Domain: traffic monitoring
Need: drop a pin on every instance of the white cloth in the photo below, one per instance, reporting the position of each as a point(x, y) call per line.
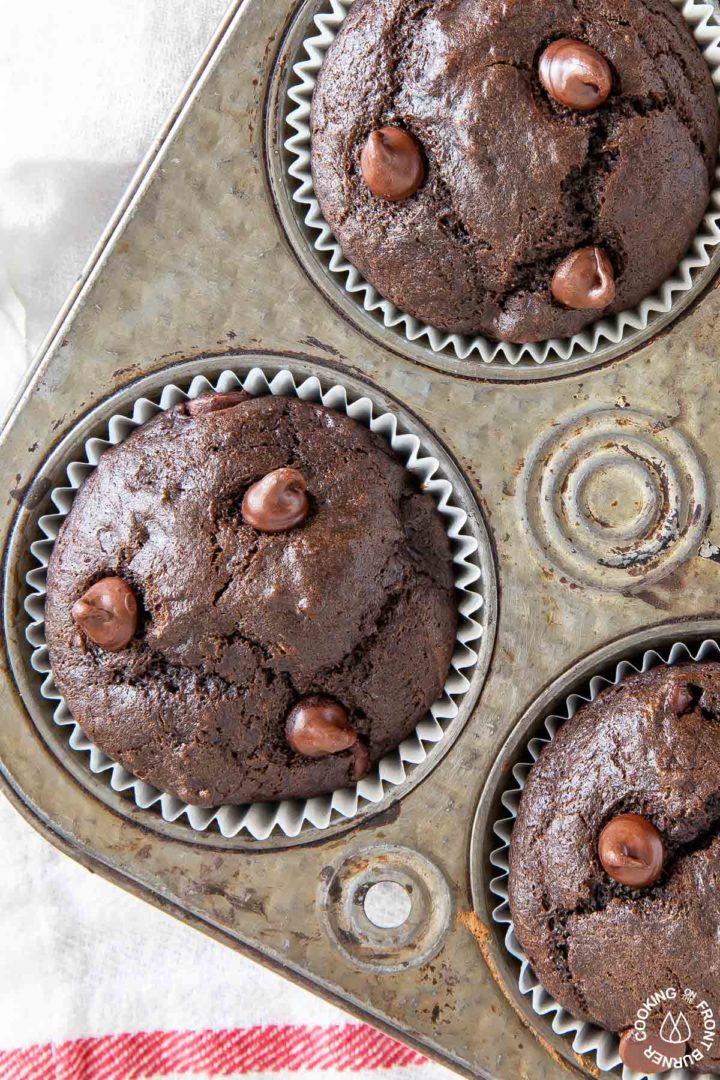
point(85, 84)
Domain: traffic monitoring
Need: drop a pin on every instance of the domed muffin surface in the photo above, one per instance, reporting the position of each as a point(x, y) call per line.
point(542, 129)
point(280, 554)
point(615, 854)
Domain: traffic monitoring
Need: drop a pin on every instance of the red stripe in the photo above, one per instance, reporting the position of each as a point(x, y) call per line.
point(215, 1053)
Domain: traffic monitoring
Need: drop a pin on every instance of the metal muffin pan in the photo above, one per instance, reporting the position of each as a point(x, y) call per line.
point(303, 50)
point(196, 273)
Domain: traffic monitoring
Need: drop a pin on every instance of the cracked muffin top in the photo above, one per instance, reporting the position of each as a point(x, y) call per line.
point(516, 169)
point(250, 599)
point(615, 853)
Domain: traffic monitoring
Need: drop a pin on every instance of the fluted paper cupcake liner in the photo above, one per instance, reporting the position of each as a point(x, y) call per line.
point(290, 817)
point(611, 331)
point(587, 1038)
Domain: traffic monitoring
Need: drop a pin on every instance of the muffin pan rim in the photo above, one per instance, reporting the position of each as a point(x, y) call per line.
point(490, 811)
point(96, 423)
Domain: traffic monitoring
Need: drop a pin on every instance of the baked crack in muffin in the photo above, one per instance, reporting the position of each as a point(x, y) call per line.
point(615, 858)
point(514, 169)
point(250, 599)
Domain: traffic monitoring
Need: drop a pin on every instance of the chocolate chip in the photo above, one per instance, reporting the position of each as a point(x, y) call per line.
point(392, 164)
point(278, 502)
point(631, 850)
point(575, 74)
point(632, 1052)
point(210, 403)
point(361, 760)
point(584, 280)
point(107, 613)
point(680, 699)
point(318, 726)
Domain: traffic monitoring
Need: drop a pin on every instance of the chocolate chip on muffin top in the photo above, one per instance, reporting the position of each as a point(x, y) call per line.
point(615, 854)
point(250, 599)
point(514, 169)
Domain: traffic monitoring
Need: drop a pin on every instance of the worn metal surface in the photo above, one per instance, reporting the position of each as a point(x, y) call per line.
point(197, 266)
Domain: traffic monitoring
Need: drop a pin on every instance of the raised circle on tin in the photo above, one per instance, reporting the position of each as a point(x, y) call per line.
point(615, 498)
point(387, 904)
point(400, 932)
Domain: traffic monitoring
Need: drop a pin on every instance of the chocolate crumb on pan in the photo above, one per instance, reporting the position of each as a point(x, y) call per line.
point(614, 884)
point(280, 554)
point(543, 130)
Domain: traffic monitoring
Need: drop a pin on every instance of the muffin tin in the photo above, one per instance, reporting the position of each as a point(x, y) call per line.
point(596, 482)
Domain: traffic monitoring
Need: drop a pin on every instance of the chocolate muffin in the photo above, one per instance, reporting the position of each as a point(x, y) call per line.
point(514, 169)
point(250, 599)
point(615, 856)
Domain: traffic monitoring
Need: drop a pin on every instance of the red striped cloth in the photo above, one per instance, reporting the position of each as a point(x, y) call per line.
point(273, 1048)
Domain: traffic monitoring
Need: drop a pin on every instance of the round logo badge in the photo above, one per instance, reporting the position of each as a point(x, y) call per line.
point(674, 1028)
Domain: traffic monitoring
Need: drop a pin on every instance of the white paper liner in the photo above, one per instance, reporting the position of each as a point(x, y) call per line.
point(587, 1038)
point(289, 816)
point(609, 331)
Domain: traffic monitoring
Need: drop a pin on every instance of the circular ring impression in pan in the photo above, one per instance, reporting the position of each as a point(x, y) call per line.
point(407, 924)
point(614, 499)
